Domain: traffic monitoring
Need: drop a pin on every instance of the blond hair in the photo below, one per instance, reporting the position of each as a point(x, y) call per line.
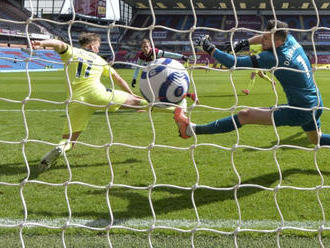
point(87, 38)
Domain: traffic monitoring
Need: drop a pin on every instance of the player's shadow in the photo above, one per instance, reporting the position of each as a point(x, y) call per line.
point(297, 139)
point(14, 169)
point(294, 140)
point(17, 168)
point(139, 206)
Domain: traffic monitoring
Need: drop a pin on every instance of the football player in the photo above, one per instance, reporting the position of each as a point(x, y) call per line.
point(304, 106)
point(146, 55)
point(85, 69)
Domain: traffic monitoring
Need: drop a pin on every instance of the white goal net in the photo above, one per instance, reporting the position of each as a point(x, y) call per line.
point(234, 227)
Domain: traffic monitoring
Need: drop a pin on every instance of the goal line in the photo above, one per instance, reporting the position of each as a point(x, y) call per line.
point(183, 223)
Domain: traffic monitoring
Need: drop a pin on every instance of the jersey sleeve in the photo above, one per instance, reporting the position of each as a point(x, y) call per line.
point(137, 69)
point(67, 54)
point(228, 60)
point(171, 55)
point(265, 60)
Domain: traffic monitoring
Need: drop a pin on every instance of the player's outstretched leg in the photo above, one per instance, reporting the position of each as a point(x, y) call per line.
point(182, 122)
point(51, 157)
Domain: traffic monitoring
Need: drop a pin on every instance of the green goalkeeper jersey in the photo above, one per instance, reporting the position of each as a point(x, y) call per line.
point(85, 68)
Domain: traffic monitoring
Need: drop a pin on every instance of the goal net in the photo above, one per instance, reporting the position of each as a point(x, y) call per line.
point(130, 174)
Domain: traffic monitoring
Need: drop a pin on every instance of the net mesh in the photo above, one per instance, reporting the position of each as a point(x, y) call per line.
point(199, 226)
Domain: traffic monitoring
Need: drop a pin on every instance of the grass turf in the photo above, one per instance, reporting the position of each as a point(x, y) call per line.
point(210, 163)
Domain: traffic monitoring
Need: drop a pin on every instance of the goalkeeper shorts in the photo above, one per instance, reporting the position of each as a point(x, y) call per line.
point(296, 117)
point(80, 113)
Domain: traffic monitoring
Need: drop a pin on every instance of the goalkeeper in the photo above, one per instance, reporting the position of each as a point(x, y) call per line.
point(301, 92)
point(85, 69)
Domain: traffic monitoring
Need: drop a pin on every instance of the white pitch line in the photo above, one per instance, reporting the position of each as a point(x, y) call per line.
point(146, 223)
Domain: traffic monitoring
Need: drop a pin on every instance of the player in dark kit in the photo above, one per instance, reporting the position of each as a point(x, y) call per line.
point(147, 55)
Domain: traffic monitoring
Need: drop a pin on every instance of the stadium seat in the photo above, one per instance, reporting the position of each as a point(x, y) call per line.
point(14, 59)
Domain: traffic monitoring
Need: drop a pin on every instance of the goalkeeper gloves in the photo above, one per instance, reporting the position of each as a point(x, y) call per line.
point(133, 83)
point(205, 43)
point(238, 46)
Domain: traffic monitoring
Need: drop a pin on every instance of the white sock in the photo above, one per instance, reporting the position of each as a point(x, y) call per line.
point(65, 145)
point(191, 129)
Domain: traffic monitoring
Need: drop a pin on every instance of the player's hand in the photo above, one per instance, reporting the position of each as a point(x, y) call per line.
point(238, 46)
point(133, 83)
point(35, 44)
point(205, 43)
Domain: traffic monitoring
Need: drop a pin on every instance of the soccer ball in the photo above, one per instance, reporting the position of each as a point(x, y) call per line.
point(169, 82)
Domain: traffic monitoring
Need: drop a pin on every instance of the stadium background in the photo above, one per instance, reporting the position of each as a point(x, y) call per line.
point(174, 205)
point(171, 14)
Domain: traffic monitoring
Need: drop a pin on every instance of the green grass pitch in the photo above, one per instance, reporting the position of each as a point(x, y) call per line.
point(215, 166)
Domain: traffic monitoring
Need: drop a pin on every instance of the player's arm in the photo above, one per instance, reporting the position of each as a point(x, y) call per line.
point(136, 72)
point(238, 46)
point(264, 60)
point(224, 58)
point(165, 54)
point(57, 45)
point(122, 83)
point(257, 39)
point(109, 71)
point(228, 60)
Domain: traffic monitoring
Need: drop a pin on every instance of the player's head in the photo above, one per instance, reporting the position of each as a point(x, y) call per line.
point(279, 35)
point(146, 46)
point(90, 41)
